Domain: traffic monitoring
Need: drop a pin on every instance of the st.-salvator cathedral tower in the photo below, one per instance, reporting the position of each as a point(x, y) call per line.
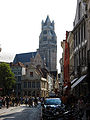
point(48, 45)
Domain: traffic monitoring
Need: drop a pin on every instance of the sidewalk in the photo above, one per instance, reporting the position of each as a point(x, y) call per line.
point(4, 110)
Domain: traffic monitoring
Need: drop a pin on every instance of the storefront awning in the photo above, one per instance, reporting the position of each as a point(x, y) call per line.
point(71, 83)
point(78, 81)
point(65, 87)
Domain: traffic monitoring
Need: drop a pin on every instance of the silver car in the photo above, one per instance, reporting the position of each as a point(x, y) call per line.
point(52, 108)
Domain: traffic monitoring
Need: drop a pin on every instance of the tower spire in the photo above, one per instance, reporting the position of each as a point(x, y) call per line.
point(47, 20)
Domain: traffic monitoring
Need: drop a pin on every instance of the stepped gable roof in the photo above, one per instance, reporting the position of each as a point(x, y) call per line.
point(42, 71)
point(24, 57)
point(45, 72)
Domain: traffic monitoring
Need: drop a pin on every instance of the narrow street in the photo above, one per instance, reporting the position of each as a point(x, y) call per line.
point(21, 113)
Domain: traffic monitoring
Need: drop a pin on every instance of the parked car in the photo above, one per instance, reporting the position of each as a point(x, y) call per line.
point(52, 108)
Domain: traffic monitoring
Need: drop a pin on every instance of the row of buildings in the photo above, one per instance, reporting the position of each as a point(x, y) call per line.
point(75, 61)
point(36, 72)
point(32, 79)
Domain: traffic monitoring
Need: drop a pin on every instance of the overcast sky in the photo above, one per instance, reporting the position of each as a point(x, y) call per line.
point(20, 24)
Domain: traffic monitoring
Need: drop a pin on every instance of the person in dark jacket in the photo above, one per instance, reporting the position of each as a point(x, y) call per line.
point(0, 102)
point(88, 108)
point(30, 102)
point(7, 102)
point(35, 101)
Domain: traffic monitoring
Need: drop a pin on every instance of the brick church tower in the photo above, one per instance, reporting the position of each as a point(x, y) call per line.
point(48, 45)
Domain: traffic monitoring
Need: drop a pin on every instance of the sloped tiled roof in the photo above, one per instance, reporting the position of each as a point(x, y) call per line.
point(20, 64)
point(24, 57)
point(17, 64)
point(43, 71)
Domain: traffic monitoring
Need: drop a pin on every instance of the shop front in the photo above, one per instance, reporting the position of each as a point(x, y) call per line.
point(80, 86)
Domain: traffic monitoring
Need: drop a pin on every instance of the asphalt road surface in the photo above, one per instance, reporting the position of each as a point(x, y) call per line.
point(22, 113)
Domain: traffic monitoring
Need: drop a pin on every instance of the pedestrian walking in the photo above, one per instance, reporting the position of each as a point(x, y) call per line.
point(35, 101)
point(88, 108)
point(13, 101)
point(26, 101)
point(71, 101)
point(7, 101)
point(81, 106)
point(3, 101)
point(30, 102)
point(16, 101)
point(0, 102)
point(64, 99)
point(21, 100)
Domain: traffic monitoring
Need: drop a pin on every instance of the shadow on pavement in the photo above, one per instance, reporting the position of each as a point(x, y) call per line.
point(27, 114)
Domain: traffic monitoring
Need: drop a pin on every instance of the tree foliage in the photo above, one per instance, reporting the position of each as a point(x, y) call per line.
point(7, 78)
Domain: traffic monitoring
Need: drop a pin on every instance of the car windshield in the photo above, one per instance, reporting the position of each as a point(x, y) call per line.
point(55, 101)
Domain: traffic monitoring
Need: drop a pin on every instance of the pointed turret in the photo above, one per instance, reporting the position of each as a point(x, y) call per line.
point(42, 24)
point(53, 24)
point(47, 20)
